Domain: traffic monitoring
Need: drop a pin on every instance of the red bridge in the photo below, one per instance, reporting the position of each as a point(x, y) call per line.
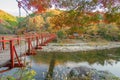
point(13, 48)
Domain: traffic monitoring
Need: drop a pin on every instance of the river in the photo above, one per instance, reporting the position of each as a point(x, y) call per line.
point(57, 64)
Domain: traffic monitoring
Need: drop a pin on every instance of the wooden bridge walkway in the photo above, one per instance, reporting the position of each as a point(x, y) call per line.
point(13, 48)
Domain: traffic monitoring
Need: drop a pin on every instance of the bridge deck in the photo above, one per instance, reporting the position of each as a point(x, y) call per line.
point(24, 47)
point(5, 54)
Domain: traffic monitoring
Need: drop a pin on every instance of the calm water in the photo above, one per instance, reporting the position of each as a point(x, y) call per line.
point(59, 64)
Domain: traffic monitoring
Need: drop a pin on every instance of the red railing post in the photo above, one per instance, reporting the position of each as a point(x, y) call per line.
point(19, 63)
point(31, 50)
point(12, 53)
point(29, 45)
point(18, 40)
point(37, 43)
point(46, 39)
point(3, 43)
point(41, 39)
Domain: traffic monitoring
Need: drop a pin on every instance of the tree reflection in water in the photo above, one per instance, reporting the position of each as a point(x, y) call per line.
point(51, 67)
point(53, 59)
point(96, 56)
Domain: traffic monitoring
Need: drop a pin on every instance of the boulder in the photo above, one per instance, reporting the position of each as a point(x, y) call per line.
point(85, 73)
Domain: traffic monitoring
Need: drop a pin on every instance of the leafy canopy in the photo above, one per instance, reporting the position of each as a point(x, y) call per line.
point(80, 5)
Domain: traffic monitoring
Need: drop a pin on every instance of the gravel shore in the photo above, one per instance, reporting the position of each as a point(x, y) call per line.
point(82, 46)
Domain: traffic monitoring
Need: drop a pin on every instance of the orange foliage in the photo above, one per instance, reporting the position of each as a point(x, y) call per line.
point(39, 5)
point(71, 37)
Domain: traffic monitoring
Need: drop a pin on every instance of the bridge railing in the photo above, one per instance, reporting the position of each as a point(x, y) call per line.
point(26, 45)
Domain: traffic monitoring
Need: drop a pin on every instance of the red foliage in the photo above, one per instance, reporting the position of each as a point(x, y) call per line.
point(71, 37)
point(1, 21)
point(41, 5)
point(38, 5)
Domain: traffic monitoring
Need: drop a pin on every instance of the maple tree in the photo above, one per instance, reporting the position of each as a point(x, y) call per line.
point(81, 5)
point(37, 6)
point(70, 19)
point(78, 14)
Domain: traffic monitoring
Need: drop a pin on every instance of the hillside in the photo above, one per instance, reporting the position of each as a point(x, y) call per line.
point(35, 22)
point(6, 16)
point(74, 24)
point(7, 22)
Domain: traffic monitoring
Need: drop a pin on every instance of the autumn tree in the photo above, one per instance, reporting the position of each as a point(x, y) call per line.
point(78, 14)
point(39, 6)
point(34, 23)
point(80, 5)
point(73, 19)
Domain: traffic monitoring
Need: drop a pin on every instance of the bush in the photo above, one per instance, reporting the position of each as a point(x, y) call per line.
point(60, 34)
point(109, 32)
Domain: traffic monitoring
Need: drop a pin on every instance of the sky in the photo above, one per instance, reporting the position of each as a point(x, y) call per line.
point(10, 6)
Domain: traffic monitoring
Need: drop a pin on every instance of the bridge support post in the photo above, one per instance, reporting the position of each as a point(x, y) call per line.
point(3, 43)
point(41, 36)
point(29, 43)
point(37, 43)
point(12, 53)
point(46, 39)
point(18, 40)
point(30, 51)
point(43, 39)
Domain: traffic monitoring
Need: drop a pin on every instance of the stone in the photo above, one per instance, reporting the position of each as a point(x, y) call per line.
point(85, 73)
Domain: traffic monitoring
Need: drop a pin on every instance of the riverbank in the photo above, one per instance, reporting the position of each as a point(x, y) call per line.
point(79, 46)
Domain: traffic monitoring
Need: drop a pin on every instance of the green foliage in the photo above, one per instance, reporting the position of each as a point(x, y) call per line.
point(104, 31)
point(28, 75)
point(109, 32)
point(22, 74)
point(60, 34)
point(96, 17)
point(76, 29)
point(20, 19)
point(113, 18)
point(7, 78)
point(32, 15)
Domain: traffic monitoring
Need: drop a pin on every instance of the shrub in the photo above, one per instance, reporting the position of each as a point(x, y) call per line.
point(60, 34)
point(109, 32)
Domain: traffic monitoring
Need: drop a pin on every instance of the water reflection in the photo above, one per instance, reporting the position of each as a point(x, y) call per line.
point(51, 67)
point(101, 60)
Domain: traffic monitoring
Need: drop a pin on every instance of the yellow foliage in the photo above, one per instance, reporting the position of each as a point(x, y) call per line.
point(36, 22)
point(54, 11)
point(6, 16)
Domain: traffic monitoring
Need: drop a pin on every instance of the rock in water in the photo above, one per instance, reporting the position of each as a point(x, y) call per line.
point(79, 71)
point(85, 73)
